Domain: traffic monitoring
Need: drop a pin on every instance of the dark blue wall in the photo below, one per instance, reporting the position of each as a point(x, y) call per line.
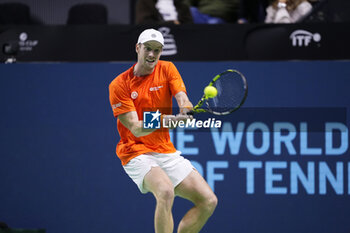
point(59, 171)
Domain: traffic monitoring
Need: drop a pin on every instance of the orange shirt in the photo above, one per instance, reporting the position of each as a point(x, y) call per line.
point(155, 91)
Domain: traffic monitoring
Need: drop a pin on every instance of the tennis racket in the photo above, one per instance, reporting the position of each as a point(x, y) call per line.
point(232, 90)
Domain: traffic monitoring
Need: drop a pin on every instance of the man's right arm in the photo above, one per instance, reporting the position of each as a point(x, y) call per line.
point(131, 121)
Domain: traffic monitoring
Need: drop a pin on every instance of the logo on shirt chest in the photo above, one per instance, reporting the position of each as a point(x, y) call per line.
point(156, 88)
point(134, 94)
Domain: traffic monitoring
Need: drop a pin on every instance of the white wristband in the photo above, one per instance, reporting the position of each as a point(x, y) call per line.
point(281, 5)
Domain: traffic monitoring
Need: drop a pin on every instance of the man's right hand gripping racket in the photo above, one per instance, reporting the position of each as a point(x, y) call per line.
point(232, 90)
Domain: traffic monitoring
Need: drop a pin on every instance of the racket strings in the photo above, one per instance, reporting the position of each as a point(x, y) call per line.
point(231, 87)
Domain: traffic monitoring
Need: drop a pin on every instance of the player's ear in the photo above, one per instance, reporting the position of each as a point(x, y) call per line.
point(137, 47)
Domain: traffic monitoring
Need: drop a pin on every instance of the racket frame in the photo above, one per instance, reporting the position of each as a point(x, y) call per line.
point(197, 109)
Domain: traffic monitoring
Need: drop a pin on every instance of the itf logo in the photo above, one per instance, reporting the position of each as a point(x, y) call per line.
point(302, 38)
point(151, 120)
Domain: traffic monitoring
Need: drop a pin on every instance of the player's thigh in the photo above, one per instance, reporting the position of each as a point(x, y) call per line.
point(195, 189)
point(158, 182)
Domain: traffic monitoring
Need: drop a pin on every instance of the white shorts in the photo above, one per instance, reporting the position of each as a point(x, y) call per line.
point(174, 165)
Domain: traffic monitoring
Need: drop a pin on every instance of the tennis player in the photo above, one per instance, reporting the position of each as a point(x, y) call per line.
point(147, 155)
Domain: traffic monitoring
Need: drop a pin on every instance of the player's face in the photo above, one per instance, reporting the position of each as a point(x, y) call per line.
point(148, 54)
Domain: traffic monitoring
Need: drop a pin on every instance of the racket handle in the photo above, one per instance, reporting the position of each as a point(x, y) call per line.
point(191, 113)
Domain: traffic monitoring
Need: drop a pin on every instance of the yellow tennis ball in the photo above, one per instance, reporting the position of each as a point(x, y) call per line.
point(210, 92)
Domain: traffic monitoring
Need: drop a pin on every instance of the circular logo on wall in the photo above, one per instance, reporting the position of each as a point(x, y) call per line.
point(134, 94)
point(23, 36)
point(26, 44)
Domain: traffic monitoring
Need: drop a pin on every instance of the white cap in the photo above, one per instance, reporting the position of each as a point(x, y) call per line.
point(151, 34)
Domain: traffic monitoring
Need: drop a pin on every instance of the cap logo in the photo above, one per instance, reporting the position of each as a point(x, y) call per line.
point(151, 34)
